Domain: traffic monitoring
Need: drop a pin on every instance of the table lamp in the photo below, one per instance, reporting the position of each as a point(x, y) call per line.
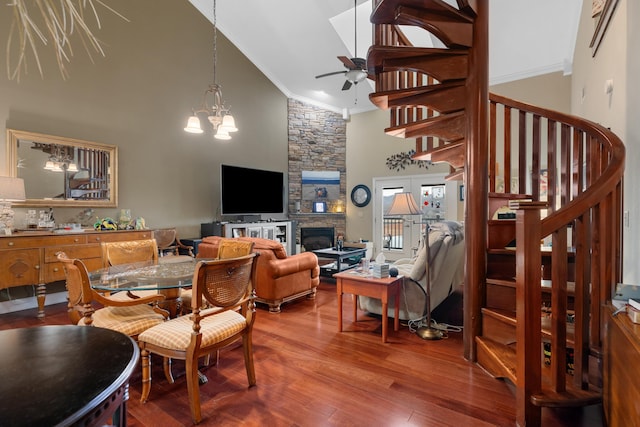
point(11, 190)
point(405, 204)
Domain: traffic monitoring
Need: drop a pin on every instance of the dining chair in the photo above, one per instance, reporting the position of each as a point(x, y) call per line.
point(228, 248)
point(129, 316)
point(117, 253)
point(129, 252)
point(227, 286)
point(170, 248)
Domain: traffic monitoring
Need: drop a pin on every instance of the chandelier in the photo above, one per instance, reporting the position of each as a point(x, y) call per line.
point(61, 158)
point(217, 113)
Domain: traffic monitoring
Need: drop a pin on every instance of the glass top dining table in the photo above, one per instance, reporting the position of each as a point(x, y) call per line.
point(142, 276)
point(165, 278)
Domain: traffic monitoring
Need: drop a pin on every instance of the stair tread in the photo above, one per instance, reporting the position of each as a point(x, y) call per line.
point(441, 64)
point(571, 397)
point(385, 12)
point(505, 355)
point(444, 126)
point(509, 317)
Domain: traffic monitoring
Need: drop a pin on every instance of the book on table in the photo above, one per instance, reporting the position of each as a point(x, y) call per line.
point(633, 310)
point(635, 303)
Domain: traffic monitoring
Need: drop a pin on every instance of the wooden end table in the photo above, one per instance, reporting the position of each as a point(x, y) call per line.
point(357, 283)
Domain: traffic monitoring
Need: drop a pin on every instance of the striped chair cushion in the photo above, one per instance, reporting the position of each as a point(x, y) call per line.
point(175, 334)
point(122, 295)
point(128, 320)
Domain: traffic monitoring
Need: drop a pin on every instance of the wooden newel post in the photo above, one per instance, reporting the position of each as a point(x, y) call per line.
point(528, 309)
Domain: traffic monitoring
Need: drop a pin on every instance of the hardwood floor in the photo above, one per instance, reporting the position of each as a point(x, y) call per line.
point(310, 375)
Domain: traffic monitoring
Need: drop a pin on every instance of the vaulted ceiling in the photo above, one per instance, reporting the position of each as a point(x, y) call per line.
point(292, 41)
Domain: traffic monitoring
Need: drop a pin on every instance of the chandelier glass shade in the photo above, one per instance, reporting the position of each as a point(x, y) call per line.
point(212, 105)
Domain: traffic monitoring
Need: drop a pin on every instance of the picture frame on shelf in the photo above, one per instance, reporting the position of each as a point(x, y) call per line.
point(255, 232)
point(319, 207)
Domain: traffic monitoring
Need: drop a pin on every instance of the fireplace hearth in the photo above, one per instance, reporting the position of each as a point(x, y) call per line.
point(313, 238)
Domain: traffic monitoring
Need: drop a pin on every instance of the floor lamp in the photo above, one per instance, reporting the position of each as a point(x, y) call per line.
point(405, 204)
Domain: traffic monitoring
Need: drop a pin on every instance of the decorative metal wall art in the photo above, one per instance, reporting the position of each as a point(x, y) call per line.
point(404, 159)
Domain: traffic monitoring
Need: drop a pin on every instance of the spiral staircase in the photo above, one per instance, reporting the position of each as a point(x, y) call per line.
point(542, 205)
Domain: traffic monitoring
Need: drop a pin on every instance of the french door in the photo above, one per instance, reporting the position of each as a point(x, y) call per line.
point(397, 236)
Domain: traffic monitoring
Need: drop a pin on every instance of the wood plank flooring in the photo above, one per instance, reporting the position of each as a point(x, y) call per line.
point(309, 374)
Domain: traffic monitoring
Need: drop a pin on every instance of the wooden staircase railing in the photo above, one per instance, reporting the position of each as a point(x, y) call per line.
point(561, 176)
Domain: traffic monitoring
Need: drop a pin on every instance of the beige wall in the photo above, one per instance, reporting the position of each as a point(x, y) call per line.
point(551, 91)
point(615, 60)
point(139, 97)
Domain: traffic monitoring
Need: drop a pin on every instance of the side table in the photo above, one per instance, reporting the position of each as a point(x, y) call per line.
point(358, 283)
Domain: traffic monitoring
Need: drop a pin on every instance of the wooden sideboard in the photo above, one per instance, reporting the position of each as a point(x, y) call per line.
point(621, 370)
point(29, 258)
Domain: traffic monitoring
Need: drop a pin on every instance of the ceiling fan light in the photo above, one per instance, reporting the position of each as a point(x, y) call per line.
point(229, 123)
point(72, 167)
point(356, 76)
point(193, 125)
point(49, 165)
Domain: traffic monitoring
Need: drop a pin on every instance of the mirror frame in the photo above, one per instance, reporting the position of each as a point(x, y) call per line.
point(13, 136)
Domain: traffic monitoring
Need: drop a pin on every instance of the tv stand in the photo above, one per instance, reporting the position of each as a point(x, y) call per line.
point(283, 231)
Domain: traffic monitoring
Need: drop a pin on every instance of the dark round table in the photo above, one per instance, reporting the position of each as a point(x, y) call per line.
point(64, 375)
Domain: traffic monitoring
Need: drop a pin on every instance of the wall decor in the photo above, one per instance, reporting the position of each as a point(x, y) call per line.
point(603, 23)
point(320, 185)
point(404, 159)
point(56, 22)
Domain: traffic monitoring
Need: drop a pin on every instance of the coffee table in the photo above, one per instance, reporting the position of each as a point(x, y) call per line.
point(342, 258)
point(358, 283)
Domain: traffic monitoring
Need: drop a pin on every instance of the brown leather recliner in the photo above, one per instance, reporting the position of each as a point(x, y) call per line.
point(280, 278)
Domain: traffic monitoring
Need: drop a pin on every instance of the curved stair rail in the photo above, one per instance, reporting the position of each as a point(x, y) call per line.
point(558, 179)
point(573, 169)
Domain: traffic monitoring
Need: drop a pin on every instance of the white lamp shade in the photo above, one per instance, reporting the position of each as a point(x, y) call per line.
point(229, 123)
point(193, 125)
point(12, 189)
point(72, 167)
point(222, 134)
point(49, 165)
point(404, 204)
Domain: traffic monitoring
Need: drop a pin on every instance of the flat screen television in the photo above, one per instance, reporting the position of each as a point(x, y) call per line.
point(246, 191)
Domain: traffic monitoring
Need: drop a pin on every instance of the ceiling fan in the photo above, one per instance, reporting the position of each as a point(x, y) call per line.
point(356, 68)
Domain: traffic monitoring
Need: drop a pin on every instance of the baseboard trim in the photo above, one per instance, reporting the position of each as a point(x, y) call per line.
point(20, 304)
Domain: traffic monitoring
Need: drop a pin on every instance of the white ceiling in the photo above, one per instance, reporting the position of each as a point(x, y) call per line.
point(292, 41)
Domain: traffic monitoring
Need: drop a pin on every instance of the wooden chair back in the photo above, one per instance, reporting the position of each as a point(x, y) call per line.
point(117, 253)
point(79, 292)
point(226, 282)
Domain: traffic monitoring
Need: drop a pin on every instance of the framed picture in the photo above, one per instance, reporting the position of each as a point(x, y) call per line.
point(606, 12)
point(320, 207)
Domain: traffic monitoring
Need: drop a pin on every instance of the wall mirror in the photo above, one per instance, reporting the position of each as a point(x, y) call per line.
point(59, 171)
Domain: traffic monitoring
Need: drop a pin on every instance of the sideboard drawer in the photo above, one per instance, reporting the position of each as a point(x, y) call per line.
point(54, 271)
point(72, 251)
point(107, 236)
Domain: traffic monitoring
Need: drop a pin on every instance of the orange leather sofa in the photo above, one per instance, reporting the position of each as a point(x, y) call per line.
point(279, 278)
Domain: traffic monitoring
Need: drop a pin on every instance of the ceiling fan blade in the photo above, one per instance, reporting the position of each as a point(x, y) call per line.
point(347, 62)
point(330, 74)
point(346, 85)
